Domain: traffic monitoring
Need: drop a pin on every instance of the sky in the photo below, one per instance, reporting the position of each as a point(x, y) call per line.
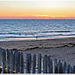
point(37, 9)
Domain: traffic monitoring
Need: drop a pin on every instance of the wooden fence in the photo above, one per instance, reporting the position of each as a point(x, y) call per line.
point(13, 62)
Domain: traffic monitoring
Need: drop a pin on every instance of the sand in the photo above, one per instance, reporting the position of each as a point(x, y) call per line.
point(63, 49)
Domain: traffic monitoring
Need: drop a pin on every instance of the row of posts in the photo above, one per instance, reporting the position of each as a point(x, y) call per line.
point(13, 62)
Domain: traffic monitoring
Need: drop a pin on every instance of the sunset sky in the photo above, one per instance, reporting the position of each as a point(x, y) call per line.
point(37, 9)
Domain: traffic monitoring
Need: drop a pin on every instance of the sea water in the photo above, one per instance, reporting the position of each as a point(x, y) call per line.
point(34, 29)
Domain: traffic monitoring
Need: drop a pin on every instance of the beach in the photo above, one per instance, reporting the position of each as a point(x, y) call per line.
point(62, 48)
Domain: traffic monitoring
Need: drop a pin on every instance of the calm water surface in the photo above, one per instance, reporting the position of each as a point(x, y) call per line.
point(29, 29)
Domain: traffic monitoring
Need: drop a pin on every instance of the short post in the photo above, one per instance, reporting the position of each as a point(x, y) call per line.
point(0, 56)
point(34, 64)
point(51, 66)
point(21, 63)
point(28, 63)
point(39, 63)
point(45, 64)
point(2, 62)
point(68, 69)
point(55, 66)
point(73, 69)
point(16, 63)
point(65, 68)
point(8, 61)
point(11, 60)
point(49, 70)
point(60, 68)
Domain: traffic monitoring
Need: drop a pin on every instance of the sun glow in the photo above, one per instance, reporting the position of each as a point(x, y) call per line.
point(37, 9)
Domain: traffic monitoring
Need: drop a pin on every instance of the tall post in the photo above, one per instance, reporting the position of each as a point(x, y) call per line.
point(34, 64)
point(39, 63)
point(21, 63)
point(45, 64)
point(11, 60)
point(8, 60)
point(28, 63)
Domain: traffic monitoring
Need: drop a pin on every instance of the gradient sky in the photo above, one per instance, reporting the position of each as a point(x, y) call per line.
point(37, 9)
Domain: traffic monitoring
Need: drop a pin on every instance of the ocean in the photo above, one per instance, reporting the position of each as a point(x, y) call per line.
point(34, 29)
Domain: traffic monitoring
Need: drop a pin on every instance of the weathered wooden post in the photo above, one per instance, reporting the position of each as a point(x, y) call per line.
point(51, 64)
point(73, 69)
point(28, 63)
point(39, 63)
point(2, 62)
point(49, 70)
point(60, 68)
point(45, 64)
point(8, 61)
point(11, 60)
point(21, 63)
point(34, 64)
point(55, 66)
point(68, 69)
point(65, 68)
point(16, 63)
point(0, 56)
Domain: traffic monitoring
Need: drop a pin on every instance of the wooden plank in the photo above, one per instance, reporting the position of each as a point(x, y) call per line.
point(73, 69)
point(45, 64)
point(28, 63)
point(68, 69)
point(3, 68)
point(0, 60)
point(21, 63)
point(60, 68)
point(55, 66)
point(49, 70)
point(8, 61)
point(5, 60)
point(65, 67)
point(16, 63)
point(11, 60)
point(34, 64)
point(0, 57)
point(39, 63)
point(51, 64)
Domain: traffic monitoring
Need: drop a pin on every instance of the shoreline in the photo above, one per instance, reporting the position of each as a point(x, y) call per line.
point(33, 44)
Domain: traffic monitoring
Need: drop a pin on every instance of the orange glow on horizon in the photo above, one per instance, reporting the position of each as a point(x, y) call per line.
point(37, 10)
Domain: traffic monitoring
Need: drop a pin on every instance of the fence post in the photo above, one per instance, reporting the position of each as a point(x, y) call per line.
point(45, 64)
point(16, 63)
point(11, 60)
point(28, 63)
point(0, 56)
point(39, 63)
point(73, 69)
point(51, 66)
point(49, 70)
point(55, 66)
point(0, 60)
point(8, 61)
point(68, 69)
point(60, 68)
point(3, 67)
point(65, 67)
point(21, 63)
point(34, 64)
